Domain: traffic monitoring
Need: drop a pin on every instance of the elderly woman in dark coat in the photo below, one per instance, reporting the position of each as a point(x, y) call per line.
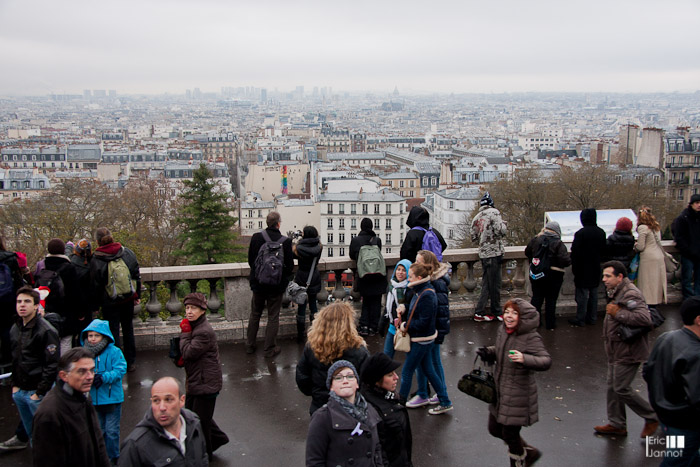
point(200, 354)
point(379, 380)
point(344, 431)
point(307, 250)
point(518, 353)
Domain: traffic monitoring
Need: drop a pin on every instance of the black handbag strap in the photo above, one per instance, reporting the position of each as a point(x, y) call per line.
point(311, 271)
point(474, 366)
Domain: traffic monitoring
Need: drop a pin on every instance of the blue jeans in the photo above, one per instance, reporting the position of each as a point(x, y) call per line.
point(690, 268)
point(419, 356)
point(586, 304)
point(389, 345)
point(434, 357)
point(690, 456)
point(109, 422)
point(26, 407)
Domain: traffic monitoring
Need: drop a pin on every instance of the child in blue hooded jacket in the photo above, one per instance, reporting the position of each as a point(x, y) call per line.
point(107, 393)
point(395, 296)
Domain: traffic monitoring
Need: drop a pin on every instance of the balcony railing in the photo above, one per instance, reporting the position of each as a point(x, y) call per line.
point(466, 269)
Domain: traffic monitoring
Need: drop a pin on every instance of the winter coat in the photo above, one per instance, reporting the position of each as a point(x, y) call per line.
point(559, 257)
point(515, 382)
point(587, 251)
point(306, 250)
point(672, 374)
point(330, 441)
point(148, 446)
point(620, 247)
point(311, 374)
point(35, 354)
point(82, 270)
point(374, 284)
point(633, 312)
point(8, 307)
point(201, 355)
point(422, 326)
point(99, 266)
point(413, 243)
point(440, 280)
point(66, 431)
point(489, 229)
point(651, 276)
point(686, 233)
point(72, 305)
point(395, 296)
point(110, 363)
point(257, 241)
point(394, 429)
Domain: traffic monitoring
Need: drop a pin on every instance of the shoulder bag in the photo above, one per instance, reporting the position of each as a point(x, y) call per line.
point(402, 340)
point(669, 261)
point(297, 293)
point(629, 334)
point(479, 384)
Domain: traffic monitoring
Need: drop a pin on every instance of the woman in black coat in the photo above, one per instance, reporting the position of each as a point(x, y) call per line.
point(379, 380)
point(371, 287)
point(306, 251)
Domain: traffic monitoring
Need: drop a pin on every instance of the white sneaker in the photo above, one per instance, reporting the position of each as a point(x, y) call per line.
point(13, 444)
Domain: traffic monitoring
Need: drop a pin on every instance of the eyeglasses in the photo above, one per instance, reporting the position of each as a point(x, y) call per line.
point(350, 377)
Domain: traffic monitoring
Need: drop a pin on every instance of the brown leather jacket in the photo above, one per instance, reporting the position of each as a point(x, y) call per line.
point(633, 312)
point(201, 355)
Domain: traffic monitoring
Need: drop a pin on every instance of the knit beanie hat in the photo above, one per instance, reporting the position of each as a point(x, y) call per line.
point(624, 224)
point(197, 299)
point(337, 366)
point(56, 246)
point(554, 227)
point(21, 259)
point(366, 224)
point(486, 200)
point(694, 198)
point(83, 245)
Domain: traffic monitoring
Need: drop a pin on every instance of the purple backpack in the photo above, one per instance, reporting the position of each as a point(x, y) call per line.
point(430, 242)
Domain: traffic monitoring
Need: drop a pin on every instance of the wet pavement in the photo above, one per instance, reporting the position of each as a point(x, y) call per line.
point(266, 417)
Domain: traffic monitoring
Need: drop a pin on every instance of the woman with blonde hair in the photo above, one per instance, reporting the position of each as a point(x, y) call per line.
point(331, 337)
point(651, 278)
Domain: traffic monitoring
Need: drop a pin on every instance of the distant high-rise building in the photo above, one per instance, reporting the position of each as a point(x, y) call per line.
point(263, 95)
point(628, 145)
point(87, 94)
point(99, 93)
point(315, 92)
point(112, 93)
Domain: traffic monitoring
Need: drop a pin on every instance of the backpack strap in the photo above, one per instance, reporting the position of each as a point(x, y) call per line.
point(267, 238)
point(410, 317)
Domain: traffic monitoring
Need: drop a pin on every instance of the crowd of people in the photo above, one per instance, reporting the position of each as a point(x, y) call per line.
point(68, 365)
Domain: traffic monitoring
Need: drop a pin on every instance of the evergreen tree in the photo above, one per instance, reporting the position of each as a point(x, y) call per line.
point(208, 235)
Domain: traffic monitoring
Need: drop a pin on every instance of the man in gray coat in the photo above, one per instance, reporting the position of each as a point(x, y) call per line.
point(169, 434)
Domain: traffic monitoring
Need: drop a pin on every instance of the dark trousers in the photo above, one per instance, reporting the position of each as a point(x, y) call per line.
point(371, 308)
point(490, 286)
point(274, 305)
point(690, 277)
point(509, 434)
point(204, 406)
point(586, 304)
point(122, 313)
point(313, 309)
point(546, 290)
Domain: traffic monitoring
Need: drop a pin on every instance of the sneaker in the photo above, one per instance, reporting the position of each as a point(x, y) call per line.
point(364, 331)
point(417, 401)
point(372, 332)
point(479, 318)
point(440, 409)
point(13, 444)
point(500, 317)
point(272, 352)
point(250, 349)
point(434, 400)
point(610, 430)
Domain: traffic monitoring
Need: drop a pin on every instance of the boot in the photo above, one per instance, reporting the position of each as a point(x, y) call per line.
point(517, 460)
point(301, 332)
point(532, 455)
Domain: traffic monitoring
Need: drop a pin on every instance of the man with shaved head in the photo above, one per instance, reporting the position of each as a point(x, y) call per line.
point(169, 434)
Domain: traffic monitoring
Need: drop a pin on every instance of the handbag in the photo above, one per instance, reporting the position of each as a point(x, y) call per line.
point(669, 261)
point(479, 384)
point(634, 268)
point(174, 354)
point(629, 334)
point(402, 340)
point(297, 293)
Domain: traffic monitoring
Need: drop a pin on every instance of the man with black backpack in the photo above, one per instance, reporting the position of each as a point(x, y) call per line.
point(271, 263)
point(116, 282)
point(366, 250)
point(421, 236)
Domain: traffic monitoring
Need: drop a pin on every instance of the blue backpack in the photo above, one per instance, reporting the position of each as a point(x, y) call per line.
point(430, 242)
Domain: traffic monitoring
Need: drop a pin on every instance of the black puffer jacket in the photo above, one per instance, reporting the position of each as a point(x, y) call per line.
point(394, 429)
point(35, 354)
point(201, 355)
point(440, 280)
point(686, 233)
point(620, 247)
point(306, 250)
point(72, 305)
point(257, 241)
point(99, 267)
point(311, 374)
point(369, 285)
point(413, 243)
point(587, 251)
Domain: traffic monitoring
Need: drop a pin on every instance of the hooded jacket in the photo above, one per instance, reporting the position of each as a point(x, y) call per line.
point(306, 250)
point(148, 446)
point(35, 354)
point(517, 389)
point(559, 257)
point(440, 281)
point(66, 431)
point(633, 312)
point(686, 233)
point(110, 363)
point(98, 272)
point(587, 250)
point(201, 355)
point(395, 296)
point(489, 229)
point(413, 243)
point(369, 285)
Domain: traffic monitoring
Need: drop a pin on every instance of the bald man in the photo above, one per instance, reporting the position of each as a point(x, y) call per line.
point(169, 434)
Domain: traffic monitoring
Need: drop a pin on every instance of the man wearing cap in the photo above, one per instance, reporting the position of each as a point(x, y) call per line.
point(489, 229)
point(672, 374)
point(686, 233)
point(379, 381)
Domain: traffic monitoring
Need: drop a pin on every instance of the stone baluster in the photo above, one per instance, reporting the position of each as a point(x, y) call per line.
point(455, 279)
point(153, 305)
point(213, 302)
point(354, 292)
point(322, 296)
point(339, 290)
point(520, 277)
point(174, 305)
point(470, 282)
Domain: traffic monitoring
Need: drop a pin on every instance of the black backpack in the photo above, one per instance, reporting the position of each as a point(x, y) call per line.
point(57, 291)
point(539, 265)
point(270, 261)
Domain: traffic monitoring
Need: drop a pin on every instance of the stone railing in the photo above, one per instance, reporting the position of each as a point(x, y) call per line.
point(466, 272)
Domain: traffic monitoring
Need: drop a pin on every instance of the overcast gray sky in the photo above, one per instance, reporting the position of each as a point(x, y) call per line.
point(154, 46)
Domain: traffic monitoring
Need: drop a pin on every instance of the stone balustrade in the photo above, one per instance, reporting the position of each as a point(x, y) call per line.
point(466, 272)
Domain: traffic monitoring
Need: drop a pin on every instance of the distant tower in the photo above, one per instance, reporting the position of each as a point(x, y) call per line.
point(263, 95)
point(396, 91)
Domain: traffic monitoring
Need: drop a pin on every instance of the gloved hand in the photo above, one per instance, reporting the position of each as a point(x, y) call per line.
point(185, 325)
point(97, 380)
point(486, 356)
point(612, 309)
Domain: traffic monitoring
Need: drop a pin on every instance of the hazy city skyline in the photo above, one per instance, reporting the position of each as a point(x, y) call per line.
point(154, 47)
